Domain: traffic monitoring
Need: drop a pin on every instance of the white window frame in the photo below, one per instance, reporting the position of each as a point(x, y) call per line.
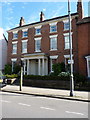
point(36, 39)
point(53, 36)
point(25, 30)
point(88, 69)
point(38, 27)
point(66, 21)
point(51, 64)
point(13, 60)
point(15, 32)
point(14, 43)
point(51, 25)
point(67, 35)
point(24, 50)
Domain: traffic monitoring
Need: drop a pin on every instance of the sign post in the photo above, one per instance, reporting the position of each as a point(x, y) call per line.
point(71, 59)
point(21, 79)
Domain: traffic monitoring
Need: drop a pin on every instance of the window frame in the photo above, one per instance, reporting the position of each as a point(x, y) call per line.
point(51, 45)
point(13, 49)
point(25, 49)
point(24, 35)
point(37, 39)
point(14, 35)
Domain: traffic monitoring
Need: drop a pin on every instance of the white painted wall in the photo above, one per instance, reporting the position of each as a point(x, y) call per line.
point(3, 50)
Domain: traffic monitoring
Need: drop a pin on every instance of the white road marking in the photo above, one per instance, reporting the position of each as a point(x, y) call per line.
point(24, 104)
point(5, 101)
point(74, 113)
point(47, 108)
point(62, 100)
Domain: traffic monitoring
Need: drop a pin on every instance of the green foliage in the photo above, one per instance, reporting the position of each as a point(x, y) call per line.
point(16, 69)
point(11, 76)
point(58, 68)
point(46, 77)
point(79, 78)
point(8, 69)
point(64, 74)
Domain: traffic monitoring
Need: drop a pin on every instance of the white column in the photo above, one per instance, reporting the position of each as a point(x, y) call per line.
point(46, 66)
point(39, 66)
point(43, 67)
point(24, 66)
point(27, 67)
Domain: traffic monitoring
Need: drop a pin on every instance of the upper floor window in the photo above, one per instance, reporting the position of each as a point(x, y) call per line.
point(67, 45)
point(53, 28)
point(24, 46)
point(66, 26)
point(38, 30)
point(53, 42)
point(14, 47)
point(15, 35)
point(25, 34)
point(66, 40)
point(38, 44)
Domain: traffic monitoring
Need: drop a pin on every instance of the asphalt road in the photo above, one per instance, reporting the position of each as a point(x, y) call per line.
point(27, 106)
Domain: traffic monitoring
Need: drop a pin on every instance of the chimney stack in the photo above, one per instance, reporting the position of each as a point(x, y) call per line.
point(22, 22)
point(42, 18)
point(80, 9)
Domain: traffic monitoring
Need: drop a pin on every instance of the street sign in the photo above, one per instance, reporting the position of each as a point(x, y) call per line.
point(70, 62)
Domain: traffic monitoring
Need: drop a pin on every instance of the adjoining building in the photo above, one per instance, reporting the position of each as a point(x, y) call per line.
point(41, 44)
point(3, 50)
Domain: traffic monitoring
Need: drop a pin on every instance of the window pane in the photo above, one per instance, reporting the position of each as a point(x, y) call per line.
point(14, 49)
point(25, 34)
point(53, 43)
point(53, 28)
point(66, 26)
point(38, 31)
point(67, 42)
point(15, 35)
point(38, 45)
point(24, 47)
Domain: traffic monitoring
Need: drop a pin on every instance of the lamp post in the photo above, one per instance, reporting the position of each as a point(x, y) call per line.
point(71, 59)
point(21, 79)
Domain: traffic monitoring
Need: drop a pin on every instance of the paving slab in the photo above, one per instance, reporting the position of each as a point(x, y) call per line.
point(56, 93)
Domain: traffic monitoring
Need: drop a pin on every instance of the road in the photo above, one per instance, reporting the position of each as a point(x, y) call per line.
point(27, 106)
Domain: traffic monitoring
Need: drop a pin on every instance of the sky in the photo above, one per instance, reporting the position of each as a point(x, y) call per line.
point(12, 11)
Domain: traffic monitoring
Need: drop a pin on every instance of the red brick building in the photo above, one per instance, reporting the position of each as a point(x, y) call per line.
point(43, 43)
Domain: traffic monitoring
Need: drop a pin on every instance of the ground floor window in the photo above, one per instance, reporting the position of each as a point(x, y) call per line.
point(88, 65)
point(13, 63)
point(52, 61)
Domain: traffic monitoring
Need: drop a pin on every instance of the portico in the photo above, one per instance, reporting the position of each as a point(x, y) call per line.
point(35, 64)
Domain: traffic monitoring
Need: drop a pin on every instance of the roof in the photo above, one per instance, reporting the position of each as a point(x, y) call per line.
point(84, 20)
point(60, 17)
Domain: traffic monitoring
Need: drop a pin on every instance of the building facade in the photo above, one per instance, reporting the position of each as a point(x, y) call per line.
point(39, 45)
point(3, 50)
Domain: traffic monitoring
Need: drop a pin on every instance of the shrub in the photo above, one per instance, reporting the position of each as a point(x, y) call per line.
point(58, 68)
point(64, 74)
point(16, 69)
point(8, 69)
point(11, 76)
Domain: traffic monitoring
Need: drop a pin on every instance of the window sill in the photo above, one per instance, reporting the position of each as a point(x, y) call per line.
point(38, 34)
point(25, 37)
point(53, 50)
point(37, 51)
point(53, 32)
point(14, 53)
point(14, 38)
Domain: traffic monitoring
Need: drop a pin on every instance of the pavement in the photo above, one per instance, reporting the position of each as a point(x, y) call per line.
point(45, 92)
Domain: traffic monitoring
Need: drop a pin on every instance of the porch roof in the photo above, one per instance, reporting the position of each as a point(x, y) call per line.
point(34, 56)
